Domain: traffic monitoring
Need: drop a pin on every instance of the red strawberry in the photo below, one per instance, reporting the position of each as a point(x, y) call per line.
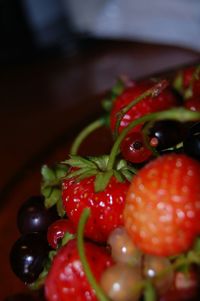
point(164, 100)
point(193, 103)
point(162, 210)
point(57, 230)
point(66, 279)
point(106, 206)
point(196, 87)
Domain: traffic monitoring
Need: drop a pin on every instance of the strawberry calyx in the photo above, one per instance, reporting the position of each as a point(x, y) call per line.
point(51, 185)
point(122, 83)
point(84, 167)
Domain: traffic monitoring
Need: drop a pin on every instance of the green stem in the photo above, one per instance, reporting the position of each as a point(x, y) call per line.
point(179, 114)
point(84, 133)
point(153, 92)
point(80, 234)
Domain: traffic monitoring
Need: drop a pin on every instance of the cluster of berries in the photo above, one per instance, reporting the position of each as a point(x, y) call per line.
point(122, 226)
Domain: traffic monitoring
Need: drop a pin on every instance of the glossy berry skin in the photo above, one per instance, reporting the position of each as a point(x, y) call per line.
point(164, 100)
point(66, 279)
point(106, 206)
point(34, 217)
point(162, 209)
point(167, 132)
point(27, 256)
point(133, 148)
point(191, 143)
point(57, 230)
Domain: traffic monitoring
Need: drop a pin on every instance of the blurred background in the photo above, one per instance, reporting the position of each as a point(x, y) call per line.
point(56, 55)
point(29, 28)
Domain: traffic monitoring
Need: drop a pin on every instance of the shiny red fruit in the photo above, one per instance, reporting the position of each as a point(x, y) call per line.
point(106, 206)
point(133, 148)
point(57, 230)
point(162, 210)
point(193, 103)
point(66, 279)
point(163, 101)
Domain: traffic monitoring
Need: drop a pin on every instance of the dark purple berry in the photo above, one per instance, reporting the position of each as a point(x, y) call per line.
point(34, 217)
point(191, 143)
point(28, 256)
point(167, 132)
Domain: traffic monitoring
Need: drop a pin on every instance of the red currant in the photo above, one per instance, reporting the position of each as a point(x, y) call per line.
point(57, 230)
point(133, 148)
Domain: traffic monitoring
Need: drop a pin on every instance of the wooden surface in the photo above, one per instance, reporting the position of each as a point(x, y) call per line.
point(44, 103)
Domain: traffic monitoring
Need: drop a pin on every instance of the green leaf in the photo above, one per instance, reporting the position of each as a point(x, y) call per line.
point(118, 175)
point(80, 162)
point(46, 190)
point(100, 162)
point(118, 88)
point(196, 246)
point(66, 238)
point(61, 171)
point(87, 174)
point(48, 173)
point(149, 292)
point(81, 173)
point(54, 197)
point(107, 104)
point(60, 209)
point(127, 174)
point(102, 180)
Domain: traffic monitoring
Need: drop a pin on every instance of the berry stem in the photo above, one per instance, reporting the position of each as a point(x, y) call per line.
point(84, 133)
point(179, 114)
point(80, 237)
point(153, 92)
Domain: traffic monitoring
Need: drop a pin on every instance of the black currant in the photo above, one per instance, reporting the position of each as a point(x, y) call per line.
point(167, 132)
point(34, 217)
point(191, 143)
point(28, 256)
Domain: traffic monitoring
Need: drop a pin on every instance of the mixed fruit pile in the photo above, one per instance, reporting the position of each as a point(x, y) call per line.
point(123, 226)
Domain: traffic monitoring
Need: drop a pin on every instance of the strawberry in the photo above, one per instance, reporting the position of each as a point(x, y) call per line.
point(66, 279)
point(164, 100)
point(106, 206)
point(193, 103)
point(162, 209)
